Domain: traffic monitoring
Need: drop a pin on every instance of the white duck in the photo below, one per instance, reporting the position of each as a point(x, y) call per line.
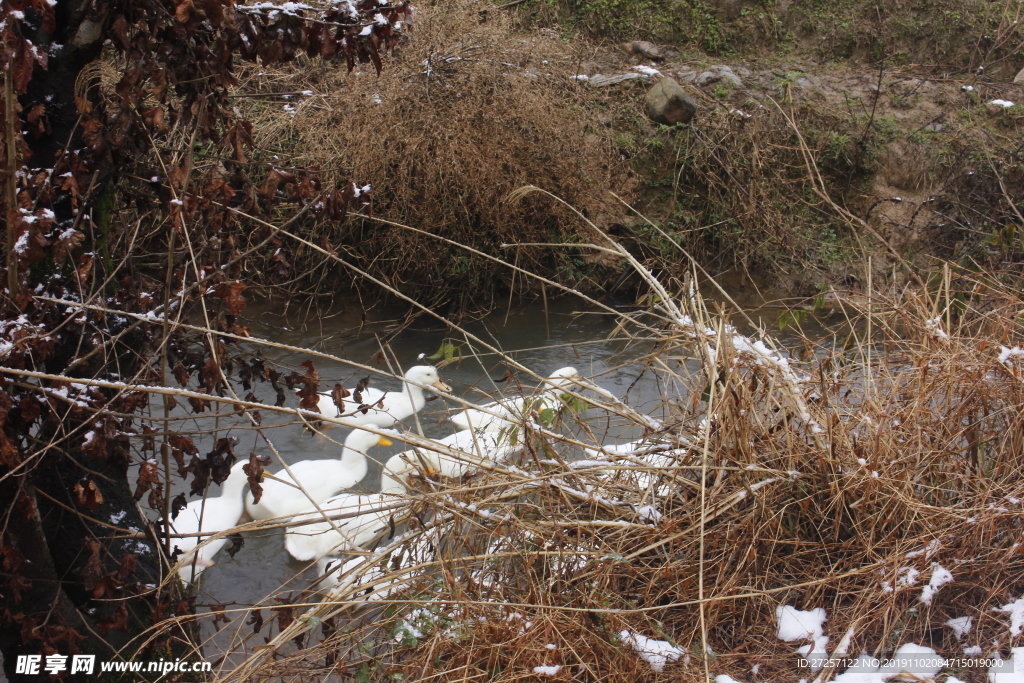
point(371, 512)
point(513, 409)
point(320, 478)
point(489, 445)
point(218, 514)
point(397, 405)
point(641, 463)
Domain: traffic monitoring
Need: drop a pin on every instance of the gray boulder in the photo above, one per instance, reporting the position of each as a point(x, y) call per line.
point(667, 103)
point(645, 49)
point(707, 78)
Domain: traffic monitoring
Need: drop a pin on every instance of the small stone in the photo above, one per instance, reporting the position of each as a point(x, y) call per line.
point(688, 76)
point(1019, 78)
point(804, 82)
point(667, 103)
point(934, 127)
point(645, 49)
point(707, 78)
point(726, 74)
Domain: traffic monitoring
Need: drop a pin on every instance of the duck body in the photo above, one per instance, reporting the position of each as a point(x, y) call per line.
point(652, 461)
point(396, 405)
point(218, 514)
point(512, 410)
point(320, 478)
point(371, 513)
point(491, 445)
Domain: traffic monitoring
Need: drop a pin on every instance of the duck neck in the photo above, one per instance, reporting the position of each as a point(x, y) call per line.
point(353, 461)
point(235, 482)
point(391, 484)
point(414, 395)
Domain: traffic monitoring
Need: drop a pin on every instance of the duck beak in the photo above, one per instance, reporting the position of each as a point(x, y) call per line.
point(442, 386)
point(384, 442)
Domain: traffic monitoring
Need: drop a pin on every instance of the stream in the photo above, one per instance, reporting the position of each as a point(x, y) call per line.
point(262, 568)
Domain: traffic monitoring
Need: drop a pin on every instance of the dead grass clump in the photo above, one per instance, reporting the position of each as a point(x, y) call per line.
point(847, 482)
point(466, 111)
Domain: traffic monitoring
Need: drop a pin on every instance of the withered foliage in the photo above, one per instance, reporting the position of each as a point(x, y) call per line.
point(115, 233)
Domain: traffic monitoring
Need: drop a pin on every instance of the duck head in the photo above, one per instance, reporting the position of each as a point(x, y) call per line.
point(426, 374)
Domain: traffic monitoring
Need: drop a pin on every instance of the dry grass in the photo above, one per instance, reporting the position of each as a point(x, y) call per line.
point(807, 483)
point(466, 111)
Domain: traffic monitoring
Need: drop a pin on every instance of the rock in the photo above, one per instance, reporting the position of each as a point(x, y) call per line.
point(744, 72)
point(600, 81)
point(708, 77)
point(804, 82)
point(645, 49)
point(667, 103)
point(934, 127)
point(689, 76)
point(726, 74)
point(1019, 78)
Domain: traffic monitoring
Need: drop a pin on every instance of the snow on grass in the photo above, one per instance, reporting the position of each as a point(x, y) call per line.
point(1016, 612)
point(649, 513)
point(547, 670)
point(933, 328)
point(657, 653)
point(929, 550)
point(905, 578)
point(1005, 354)
point(961, 625)
point(796, 624)
point(725, 678)
point(1006, 104)
point(940, 577)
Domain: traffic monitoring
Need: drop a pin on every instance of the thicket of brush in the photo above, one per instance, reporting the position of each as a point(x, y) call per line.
point(466, 111)
point(896, 442)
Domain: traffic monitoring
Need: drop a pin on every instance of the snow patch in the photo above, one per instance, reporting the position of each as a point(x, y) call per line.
point(940, 577)
point(1016, 612)
point(961, 625)
point(657, 653)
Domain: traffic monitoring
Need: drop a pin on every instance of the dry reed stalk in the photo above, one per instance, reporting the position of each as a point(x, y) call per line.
point(792, 489)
